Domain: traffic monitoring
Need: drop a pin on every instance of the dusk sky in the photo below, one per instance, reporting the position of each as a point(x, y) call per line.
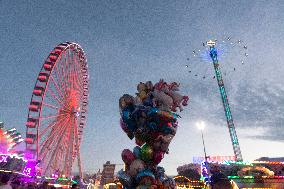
point(131, 41)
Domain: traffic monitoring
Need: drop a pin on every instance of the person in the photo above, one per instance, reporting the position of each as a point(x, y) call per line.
point(16, 184)
point(44, 185)
point(91, 184)
point(222, 184)
point(75, 186)
point(31, 186)
point(5, 182)
point(234, 185)
point(218, 180)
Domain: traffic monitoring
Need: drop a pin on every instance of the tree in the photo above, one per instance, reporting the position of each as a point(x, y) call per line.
point(190, 171)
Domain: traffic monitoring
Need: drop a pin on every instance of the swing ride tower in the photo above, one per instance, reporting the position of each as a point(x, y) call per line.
point(230, 121)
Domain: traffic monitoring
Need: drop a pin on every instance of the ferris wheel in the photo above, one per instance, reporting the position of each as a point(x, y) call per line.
point(58, 111)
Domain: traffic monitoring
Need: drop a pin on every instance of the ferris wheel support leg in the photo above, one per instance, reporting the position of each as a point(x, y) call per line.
point(78, 154)
point(68, 163)
point(80, 165)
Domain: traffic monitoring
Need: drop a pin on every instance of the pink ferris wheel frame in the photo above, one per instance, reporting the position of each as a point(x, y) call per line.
point(58, 111)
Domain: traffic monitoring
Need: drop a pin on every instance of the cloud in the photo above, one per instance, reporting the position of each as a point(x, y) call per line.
point(256, 106)
point(262, 106)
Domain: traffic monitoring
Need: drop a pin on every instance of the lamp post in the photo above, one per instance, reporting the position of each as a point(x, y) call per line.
point(201, 125)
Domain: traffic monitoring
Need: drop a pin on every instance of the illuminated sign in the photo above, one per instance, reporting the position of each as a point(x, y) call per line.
point(218, 159)
point(27, 171)
point(30, 168)
point(3, 158)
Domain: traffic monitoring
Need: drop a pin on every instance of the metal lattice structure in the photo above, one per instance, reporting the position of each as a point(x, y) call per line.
point(230, 121)
point(58, 111)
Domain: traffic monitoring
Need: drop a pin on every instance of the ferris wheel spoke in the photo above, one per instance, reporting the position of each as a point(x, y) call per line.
point(55, 73)
point(55, 97)
point(72, 69)
point(51, 126)
point(69, 75)
point(65, 68)
point(70, 78)
point(62, 72)
point(52, 116)
point(56, 147)
point(56, 86)
point(50, 105)
point(66, 64)
point(74, 78)
point(58, 158)
point(78, 80)
point(75, 86)
point(54, 132)
point(52, 140)
point(59, 74)
point(77, 68)
point(62, 84)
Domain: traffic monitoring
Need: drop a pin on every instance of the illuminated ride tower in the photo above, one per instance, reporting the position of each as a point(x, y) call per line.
point(230, 122)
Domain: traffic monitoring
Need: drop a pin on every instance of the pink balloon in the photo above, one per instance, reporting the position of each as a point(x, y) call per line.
point(127, 156)
point(158, 156)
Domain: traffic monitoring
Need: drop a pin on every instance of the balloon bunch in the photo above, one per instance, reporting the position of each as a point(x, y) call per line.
point(150, 119)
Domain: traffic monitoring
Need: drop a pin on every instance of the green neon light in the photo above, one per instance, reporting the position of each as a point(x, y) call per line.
point(238, 177)
point(65, 179)
point(228, 162)
point(62, 179)
point(74, 182)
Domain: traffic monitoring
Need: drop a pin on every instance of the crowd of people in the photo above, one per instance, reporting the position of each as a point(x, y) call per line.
point(9, 182)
